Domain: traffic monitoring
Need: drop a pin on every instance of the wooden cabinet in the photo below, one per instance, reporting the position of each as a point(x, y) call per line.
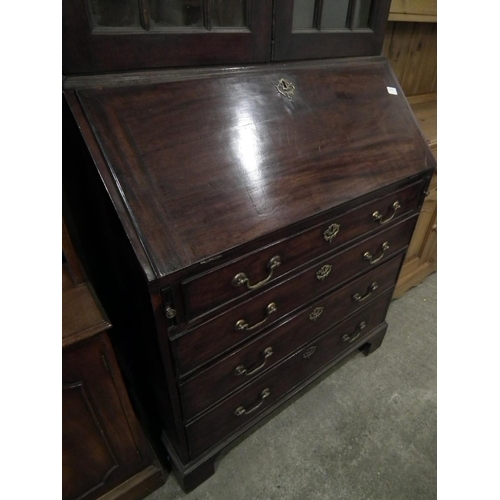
point(306, 29)
point(244, 226)
point(411, 47)
point(248, 229)
point(104, 36)
point(421, 259)
point(104, 452)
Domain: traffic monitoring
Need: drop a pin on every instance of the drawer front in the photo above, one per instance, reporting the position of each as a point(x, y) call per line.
point(203, 343)
point(215, 425)
point(240, 367)
point(215, 288)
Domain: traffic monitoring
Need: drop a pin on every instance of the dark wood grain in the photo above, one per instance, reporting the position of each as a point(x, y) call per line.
point(216, 336)
point(195, 173)
point(228, 156)
point(216, 424)
point(219, 379)
point(215, 288)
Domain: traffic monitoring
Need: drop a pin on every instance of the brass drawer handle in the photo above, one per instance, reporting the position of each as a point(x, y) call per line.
point(331, 232)
point(241, 370)
point(377, 216)
point(243, 411)
point(369, 256)
point(324, 272)
point(348, 338)
point(242, 279)
point(316, 313)
point(243, 325)
point(358, 298)
point(309, 352)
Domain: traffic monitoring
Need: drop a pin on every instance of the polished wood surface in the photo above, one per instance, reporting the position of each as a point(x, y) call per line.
point(219, 379)
point(198, 175)
point(222, 419)
point(249, 152)
point(215, 288)
point(216, 336)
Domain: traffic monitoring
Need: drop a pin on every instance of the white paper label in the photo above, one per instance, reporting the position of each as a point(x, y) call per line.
point(392, 90)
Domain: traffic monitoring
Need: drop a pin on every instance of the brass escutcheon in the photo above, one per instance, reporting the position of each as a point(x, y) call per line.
point(324, 272)
point(331, 232)
point(285, 88)
point(316, 313)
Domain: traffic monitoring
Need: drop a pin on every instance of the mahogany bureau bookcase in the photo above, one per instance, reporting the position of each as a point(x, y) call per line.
point(244, 226)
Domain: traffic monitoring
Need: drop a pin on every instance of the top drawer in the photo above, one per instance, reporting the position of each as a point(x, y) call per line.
point(255, 271)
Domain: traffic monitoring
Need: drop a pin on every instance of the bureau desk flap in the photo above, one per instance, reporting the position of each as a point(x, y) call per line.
point(209, 164)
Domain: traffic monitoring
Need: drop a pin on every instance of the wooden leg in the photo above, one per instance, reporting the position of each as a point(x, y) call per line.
point(191, 479)
point(190, 475)
point(375, 342)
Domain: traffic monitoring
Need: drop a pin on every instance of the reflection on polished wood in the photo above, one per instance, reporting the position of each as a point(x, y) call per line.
point(278, 161)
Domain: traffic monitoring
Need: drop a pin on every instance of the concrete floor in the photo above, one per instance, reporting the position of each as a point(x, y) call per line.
point(366, 431)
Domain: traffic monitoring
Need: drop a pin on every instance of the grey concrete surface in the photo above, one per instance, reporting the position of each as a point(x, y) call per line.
point(365, 431)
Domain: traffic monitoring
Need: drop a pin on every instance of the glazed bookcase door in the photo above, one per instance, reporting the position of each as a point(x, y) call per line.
point(307, 29)
point(117, 35)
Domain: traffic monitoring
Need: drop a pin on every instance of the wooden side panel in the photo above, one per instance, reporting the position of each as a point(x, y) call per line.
point(412, 51)
point(99, 448)
point(421, 258)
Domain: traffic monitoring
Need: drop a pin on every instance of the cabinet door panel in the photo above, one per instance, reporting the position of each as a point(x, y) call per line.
point(329, 28)
point(111, 35)
point(98, 448)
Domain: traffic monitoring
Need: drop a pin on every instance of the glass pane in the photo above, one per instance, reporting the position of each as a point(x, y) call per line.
point(115, 13)
point(303, 14)
point(176, 13)
point(228, 13)
point(334, 14)
point(362, 14)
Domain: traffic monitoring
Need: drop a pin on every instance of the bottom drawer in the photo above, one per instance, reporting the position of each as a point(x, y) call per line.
point(234, 412)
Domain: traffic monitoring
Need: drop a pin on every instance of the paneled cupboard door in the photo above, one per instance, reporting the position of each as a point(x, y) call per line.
point(119, 35)
point(306, 29)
